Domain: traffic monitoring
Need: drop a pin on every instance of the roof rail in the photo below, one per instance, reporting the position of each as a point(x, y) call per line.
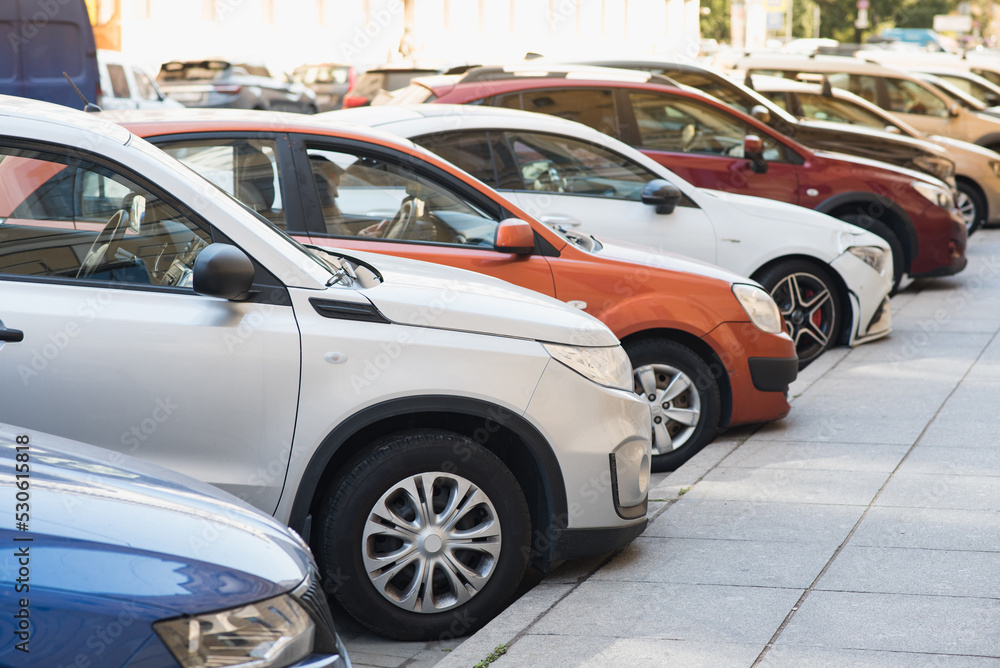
point(530, 71)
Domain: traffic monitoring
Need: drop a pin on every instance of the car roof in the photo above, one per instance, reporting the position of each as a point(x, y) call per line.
point(817, 64)
point(36, 111)
point(534, 70)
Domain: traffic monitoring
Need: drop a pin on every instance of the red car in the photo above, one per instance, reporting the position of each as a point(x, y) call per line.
point(715, 146)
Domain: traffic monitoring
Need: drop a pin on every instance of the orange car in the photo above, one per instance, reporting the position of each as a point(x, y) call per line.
point(708, 347)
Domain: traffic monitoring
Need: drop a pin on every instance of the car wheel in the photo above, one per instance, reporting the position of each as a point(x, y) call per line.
point(683, 396)
point(971, 205)
point(425, 535)
point(808, 299)
point(880, 229)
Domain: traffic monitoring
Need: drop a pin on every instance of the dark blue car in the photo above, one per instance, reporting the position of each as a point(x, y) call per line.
point(106, 562)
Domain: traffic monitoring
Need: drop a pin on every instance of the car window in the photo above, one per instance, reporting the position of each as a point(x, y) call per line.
point(717, 89)
point(469, 150)
point(119, 82)
point(144, 86)
point(821, 108)
point(780, 98)
point(908, 97)
point(64, 217)
point(365, 196)
point(591, 106)
point(683, 125)
point(557, 164)
point(989, 75)
point(862, 85)
point(247, 169)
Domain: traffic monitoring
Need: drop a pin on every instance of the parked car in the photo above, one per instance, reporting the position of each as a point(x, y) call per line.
point(125, 85)
point(981, 88)
point(978, 168)
point(129, 564)
point(896, 91)
point(330, 82)
point(36, 52)
point(712, 145)
point(689, 330)
point(862, 141)
point(430, 431)
point(385, 78)
point(570, 175)
point(224, 84)
point(965, 99)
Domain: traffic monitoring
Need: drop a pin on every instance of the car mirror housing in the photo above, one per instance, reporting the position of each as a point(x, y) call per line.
point(223, 271)
point(515, 236)
point(761, 113)
point(662, 194)
point(954, 109)
point(753, 150)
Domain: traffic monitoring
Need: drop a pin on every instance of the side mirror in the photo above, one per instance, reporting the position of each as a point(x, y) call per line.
point(662, 194)
point(753, 150)
point(515, 236)
point(761, 113)
point(223, 271)
point(953, 109)
point(892, 129)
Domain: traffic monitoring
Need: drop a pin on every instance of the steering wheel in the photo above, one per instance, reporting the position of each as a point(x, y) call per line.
point(400, 223)
point(105, 244)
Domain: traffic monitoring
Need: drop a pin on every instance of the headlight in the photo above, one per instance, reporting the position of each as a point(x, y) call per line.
point(605, 366)
point(275, 632)
point(873, 256)
point(760, 307)
point(935, 194)
point(942, 168)
point(995, 166)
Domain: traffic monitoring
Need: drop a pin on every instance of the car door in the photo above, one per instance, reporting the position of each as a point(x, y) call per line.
point(573, 184)
point(104, 340)
point(703, 144)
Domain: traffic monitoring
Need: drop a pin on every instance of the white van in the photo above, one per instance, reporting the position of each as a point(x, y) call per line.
point(125, 85)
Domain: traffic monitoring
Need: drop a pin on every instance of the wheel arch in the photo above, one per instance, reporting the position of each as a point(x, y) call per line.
point(703, 350)
point(843, 292)
point(508, 435)
point(979, 189)
point(881, 209)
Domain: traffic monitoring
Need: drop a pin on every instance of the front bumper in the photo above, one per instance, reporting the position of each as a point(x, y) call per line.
point(941, 237)
point(587, 425)
point(868, 294)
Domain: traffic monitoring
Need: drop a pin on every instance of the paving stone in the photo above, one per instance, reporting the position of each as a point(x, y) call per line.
point(761, 453)
point(932, 528)
point(792, 656)
point(943, 460)
point(778, 485)
point(601, 652)
point(916, 490)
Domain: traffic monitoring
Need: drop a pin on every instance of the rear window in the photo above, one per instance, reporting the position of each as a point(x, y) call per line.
point(321, 75)
point(371, 82)
point(200, 71)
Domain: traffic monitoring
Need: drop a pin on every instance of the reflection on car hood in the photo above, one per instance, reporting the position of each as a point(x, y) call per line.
point(106, 525)
point(432, 295)
point(638, 254)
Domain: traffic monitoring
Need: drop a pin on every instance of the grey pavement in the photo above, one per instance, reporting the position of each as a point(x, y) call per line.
point(862, 530)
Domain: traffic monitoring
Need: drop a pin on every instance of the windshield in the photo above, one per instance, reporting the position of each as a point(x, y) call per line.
point(820, 108)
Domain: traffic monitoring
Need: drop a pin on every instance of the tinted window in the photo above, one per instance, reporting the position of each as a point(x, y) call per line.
point(119, 83)
point(591, 106)
point(469, 150)
point(831, 109)
point(862, 85)
point(778, 97)
point(989, 75)
point(370, 197)
point(248, 169)
point(65, 217)
point(717, 89)
point(908, 97)
point(554, 163)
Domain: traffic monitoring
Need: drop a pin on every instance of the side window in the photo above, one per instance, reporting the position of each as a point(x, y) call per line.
point(989, 75)
point(836, 110)
point(778, 97)
point(862, 85)
point(469, 150)
point(66, 217)
point(145, 87)
point(591, 106)
point(554, 163)
point(908, 97)
point(717, 89)
point(682, 125)
point(365, 196)
point(247, 169)
point(119, 82)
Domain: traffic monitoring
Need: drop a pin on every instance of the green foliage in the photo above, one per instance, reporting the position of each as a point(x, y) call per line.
point(715, 24)
point(497, 652)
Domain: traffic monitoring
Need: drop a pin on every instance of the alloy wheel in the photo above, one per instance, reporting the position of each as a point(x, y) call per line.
point(809, 309)
point(674, 402)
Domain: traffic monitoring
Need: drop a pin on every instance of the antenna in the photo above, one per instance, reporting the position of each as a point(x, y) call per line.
point(87, 105)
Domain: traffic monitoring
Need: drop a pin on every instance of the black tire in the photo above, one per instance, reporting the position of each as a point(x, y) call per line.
point(813, 313)
point(878, 228)
point(388, 467)
point(658, 362)
point(972, 205)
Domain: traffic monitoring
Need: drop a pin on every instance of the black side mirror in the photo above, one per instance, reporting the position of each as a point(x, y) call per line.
point(223, 271)
point(753, 150)
point(662, 194)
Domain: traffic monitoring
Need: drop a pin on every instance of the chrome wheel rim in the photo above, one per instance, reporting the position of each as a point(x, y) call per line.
point(809, 310)
point(431, 542)
point(967, 208)
point(674, 402)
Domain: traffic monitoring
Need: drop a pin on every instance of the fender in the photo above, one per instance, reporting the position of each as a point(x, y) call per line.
point(858, 197)
point(544, 458)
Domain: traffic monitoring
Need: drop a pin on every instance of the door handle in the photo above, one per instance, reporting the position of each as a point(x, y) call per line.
point(10, 335)
point(559, 219)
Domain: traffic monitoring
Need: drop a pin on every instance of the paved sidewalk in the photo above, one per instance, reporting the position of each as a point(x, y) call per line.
point(863, 530)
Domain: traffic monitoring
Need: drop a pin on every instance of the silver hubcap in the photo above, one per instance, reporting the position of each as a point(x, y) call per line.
point(431, 542)
point(966, 207)
point(674, 402)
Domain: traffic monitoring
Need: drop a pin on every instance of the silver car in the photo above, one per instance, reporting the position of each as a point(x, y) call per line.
point(224, 84)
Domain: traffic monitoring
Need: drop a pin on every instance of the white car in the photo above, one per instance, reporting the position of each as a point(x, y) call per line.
point(125, 85)
point(572, 176)
point(431, 430)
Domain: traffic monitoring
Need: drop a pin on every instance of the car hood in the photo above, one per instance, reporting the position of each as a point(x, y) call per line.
point(964, 146)
point(855, 134)
point(431, 295)
point(104, 524)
